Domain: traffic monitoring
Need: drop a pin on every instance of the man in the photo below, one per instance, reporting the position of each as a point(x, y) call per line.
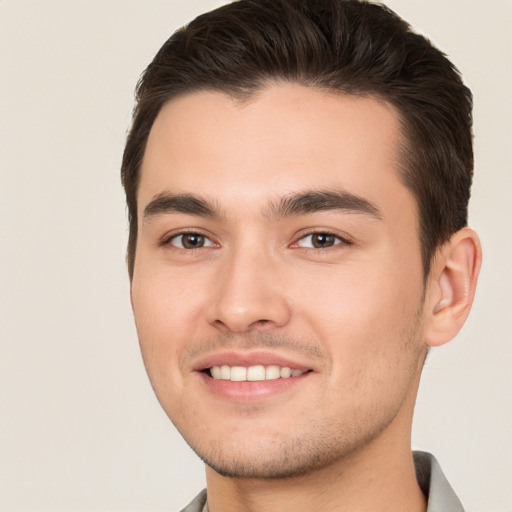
point(297, 177)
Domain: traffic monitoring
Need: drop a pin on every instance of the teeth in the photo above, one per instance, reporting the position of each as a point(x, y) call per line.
point(225, 372)
point(238, 373)
point(272, 372)
point(256, 373)
point(285, 372)
point(253, 373)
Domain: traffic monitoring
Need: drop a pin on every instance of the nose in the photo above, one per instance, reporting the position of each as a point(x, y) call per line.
point(249, 294)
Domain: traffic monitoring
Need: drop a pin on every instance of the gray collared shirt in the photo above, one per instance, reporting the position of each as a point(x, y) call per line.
point(433, 483)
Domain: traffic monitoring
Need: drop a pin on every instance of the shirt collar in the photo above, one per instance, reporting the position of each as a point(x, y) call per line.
point(435, 486)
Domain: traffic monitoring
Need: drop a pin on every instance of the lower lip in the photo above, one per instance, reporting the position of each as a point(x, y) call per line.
point(248, 391)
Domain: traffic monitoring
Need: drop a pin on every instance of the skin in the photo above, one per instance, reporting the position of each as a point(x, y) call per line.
point(355, 311)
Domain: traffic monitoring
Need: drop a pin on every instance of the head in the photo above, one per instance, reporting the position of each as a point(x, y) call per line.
point(297, 177)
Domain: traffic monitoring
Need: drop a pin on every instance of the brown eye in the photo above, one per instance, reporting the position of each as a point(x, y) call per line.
point(319, 241)
point(191, 241)
point(322, 240)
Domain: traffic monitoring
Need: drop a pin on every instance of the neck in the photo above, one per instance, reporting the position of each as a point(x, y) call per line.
point(371, 479)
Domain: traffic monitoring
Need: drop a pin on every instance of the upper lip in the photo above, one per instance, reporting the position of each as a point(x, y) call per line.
point(249, 358)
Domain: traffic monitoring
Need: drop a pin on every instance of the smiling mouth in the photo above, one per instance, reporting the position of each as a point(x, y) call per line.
point(253, 373)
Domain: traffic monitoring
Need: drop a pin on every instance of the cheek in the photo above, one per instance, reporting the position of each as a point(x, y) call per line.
point(353, 293)
point(365, 317)
point(163, 311)
point(165, 303)
point(372, 338)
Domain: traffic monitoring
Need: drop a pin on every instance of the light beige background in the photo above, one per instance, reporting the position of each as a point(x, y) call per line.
point(80, 429)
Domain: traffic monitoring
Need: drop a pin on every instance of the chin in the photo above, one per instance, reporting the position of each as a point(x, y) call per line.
point(274, 467)
point(275, 458)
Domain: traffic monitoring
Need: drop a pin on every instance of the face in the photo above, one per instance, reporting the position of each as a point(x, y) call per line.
point(278, 283)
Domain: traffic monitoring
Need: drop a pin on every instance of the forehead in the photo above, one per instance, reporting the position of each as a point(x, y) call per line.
point(285, 139)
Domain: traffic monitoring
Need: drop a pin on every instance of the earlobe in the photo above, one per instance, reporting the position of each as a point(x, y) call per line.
point(453, 282)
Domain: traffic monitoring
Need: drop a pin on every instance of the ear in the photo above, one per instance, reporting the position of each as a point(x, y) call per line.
point(451, 286)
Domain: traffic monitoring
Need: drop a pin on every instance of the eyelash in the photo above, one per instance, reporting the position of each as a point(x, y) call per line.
point(169, 239)
point(338, 241)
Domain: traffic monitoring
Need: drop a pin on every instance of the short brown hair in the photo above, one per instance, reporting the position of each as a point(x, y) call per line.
point(350, 46)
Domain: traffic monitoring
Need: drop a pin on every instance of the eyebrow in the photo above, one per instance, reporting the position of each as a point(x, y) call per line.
point(318, 201)
point(189, 204)
point(291, 205)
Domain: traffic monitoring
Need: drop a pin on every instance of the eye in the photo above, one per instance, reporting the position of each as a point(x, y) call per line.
point(190, 241)
point(320, 240)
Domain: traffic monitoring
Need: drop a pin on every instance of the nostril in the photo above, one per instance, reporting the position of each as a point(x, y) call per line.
point(260, 323)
